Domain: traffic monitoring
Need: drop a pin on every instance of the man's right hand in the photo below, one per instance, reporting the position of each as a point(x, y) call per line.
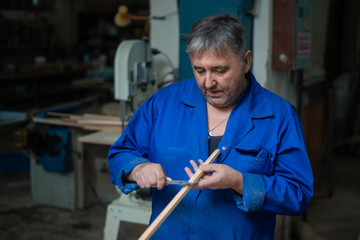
point(148, 175)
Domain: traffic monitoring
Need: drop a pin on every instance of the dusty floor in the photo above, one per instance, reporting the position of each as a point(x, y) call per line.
point(332, 218)
point(21, 219)
point(338, 217)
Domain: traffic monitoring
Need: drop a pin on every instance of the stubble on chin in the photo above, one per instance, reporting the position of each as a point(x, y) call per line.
point(218, 102)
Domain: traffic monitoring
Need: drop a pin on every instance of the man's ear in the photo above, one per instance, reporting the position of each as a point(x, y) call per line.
point(247, 60)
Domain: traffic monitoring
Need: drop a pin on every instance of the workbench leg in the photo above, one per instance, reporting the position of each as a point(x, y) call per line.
point(112, 223)
point(125, 209)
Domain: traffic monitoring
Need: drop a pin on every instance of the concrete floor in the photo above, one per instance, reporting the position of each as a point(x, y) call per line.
point(338, 217)
point(330, 218)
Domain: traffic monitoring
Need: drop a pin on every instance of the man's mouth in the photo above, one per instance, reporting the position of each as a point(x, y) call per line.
point(213, 93)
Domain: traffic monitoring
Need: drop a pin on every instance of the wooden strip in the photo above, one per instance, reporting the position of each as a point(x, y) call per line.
point(53, 121)
point(69, 120)
point(100, 122)
point(59, 114)
point(103, 128)
point(85, 116)
point(66, 116)
point(101, 117)
point(102, 138)
point(77, 117)
point(176, 200)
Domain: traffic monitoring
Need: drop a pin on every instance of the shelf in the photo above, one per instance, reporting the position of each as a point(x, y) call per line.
point(41, 89)
point(23, 47)
point(51, 76)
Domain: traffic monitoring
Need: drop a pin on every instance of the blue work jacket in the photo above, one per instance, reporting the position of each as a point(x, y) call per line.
point(263, 140)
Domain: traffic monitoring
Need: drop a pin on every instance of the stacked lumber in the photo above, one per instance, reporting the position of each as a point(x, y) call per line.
point(86, 121)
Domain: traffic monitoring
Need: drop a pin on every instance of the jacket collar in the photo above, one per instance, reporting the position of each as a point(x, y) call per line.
point(192, 96)
point(255, 98)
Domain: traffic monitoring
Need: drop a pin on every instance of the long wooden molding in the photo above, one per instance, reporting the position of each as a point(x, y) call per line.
point(176, 200)
point(95, 122)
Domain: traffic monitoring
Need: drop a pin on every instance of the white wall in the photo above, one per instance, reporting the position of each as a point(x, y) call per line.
point(165, 36)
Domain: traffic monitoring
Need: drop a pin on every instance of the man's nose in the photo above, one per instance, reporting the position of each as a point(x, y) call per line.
point(209, 80)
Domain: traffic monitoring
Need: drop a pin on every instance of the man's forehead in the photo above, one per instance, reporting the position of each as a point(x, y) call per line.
point(213, 58)
point(220, 53)
point(217, 51)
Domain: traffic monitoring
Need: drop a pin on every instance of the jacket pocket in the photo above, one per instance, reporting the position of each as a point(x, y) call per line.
point(251, 160)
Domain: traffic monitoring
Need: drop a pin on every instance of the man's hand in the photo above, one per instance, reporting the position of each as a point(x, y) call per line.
point(148, 175)
point(217, 176)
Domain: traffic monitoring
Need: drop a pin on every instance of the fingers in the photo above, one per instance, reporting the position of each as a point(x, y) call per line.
point(216, 176)
point(208, 168)
point(146, 180)
point(160, 181)
point(149, 175)
point(194, 165)
point(189, 172)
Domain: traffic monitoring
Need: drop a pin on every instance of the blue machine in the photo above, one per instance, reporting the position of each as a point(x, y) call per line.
point(191, 11)
point(58, 154)
point(52, 145)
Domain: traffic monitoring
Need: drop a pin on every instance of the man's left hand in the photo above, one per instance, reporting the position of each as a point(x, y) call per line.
point(217, 176)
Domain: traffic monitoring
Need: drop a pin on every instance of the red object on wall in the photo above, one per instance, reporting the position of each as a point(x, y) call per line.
point(284, 26)
point(292, 34)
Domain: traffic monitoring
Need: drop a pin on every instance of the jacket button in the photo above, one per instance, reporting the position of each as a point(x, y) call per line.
point(256, 159)
point(223, 148)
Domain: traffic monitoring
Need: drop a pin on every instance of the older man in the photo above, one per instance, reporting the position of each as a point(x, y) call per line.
point(263, 168)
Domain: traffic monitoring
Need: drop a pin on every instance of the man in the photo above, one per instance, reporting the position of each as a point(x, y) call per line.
point(263, 168)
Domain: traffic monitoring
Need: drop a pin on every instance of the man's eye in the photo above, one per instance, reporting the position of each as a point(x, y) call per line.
point(200, 72)
point(220, 71)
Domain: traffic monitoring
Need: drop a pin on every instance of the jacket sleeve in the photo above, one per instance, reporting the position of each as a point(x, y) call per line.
point(132, 147)
point(289, 189)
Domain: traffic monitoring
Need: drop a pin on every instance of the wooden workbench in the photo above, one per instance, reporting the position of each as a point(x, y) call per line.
point(101, 137)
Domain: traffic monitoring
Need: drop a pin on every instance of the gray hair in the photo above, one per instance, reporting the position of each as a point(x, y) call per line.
point(217, 33)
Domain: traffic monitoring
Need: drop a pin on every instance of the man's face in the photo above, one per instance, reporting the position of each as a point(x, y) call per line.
point(221, 78)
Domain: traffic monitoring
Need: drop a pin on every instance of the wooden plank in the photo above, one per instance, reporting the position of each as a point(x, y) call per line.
point(176, 200)
point(87, 121)
point(103, 138)
point(69, 120)
point(85, 116)
point(101, 117)
point(103, 128)
point(59, 114)
point(77, 117)
point(100, 122)
point(53, 121)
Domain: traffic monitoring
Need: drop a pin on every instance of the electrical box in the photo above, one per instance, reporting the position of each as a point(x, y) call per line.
point(292, 34)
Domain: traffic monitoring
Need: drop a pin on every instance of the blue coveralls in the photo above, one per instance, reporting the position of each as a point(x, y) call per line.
point(263, 140)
